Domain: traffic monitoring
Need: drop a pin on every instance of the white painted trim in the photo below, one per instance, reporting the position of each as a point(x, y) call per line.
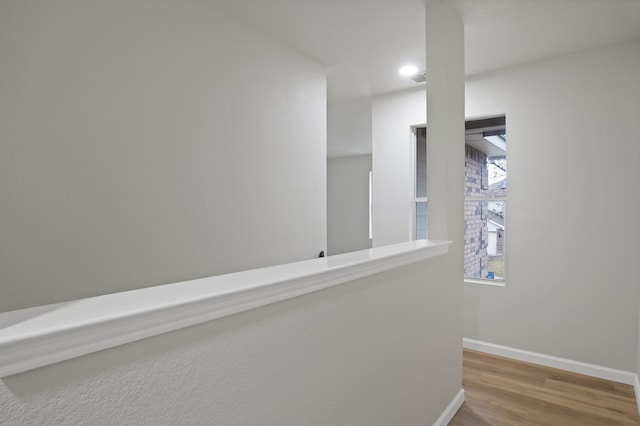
point(412, 184)
point(592, 370)
point(487, 198)
point(498, 282)
point(43, 335)
point(451, 409)
point(371, 204)
point(636, 391)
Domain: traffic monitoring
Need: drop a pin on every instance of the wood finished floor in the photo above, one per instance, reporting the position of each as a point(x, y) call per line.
point(500, 391)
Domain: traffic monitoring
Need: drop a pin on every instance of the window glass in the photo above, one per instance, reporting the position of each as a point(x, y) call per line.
point(421, 163)
point(420, 197)
point(485, 199)
point(484, 239)
point(421, 220)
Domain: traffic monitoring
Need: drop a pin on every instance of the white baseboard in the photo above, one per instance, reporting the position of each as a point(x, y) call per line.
point(451, 410)
point(636, 391)
point(620, 376)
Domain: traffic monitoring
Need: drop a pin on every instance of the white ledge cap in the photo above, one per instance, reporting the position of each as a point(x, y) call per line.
point(39, 336)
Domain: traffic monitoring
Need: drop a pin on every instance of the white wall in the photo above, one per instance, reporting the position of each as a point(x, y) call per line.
point(377, 351)
point(348, 126)
point(348, 204)
point(573, 160)
point(151, 141)
point(638, 352)
point(445, 165)
point(393, 114)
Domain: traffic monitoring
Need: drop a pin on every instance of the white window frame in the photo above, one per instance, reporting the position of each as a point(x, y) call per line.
point(414, 200)
point(371, 205)
point(499, 282)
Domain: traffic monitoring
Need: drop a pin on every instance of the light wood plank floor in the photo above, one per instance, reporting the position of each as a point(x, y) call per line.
point(500, 391)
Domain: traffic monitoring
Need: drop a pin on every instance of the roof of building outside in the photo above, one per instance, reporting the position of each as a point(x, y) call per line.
point(496, 218)
point(497, 189)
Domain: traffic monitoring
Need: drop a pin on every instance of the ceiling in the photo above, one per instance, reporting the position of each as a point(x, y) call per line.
point(364, 42)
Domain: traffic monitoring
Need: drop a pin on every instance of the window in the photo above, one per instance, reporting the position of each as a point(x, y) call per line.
point(370, 204)
point(485, 199)
point(420, 184)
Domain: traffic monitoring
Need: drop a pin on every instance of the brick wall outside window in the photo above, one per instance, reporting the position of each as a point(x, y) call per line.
point(476, 237)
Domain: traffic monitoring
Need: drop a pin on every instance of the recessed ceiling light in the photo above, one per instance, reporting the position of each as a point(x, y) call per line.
point(408, 70)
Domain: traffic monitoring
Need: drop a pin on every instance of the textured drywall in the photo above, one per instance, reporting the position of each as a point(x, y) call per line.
point(151, 141)
point(383, 350)
point(348, 204)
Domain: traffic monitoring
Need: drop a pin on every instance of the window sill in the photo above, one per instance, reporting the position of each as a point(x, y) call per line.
point(35, 337)
point(493, 283)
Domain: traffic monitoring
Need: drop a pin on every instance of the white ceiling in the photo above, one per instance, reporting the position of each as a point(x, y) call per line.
point(364, 42)
point(502, 33)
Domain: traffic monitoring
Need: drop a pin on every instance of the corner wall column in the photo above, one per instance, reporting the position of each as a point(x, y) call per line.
point(445, 161)
point(445, 121)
